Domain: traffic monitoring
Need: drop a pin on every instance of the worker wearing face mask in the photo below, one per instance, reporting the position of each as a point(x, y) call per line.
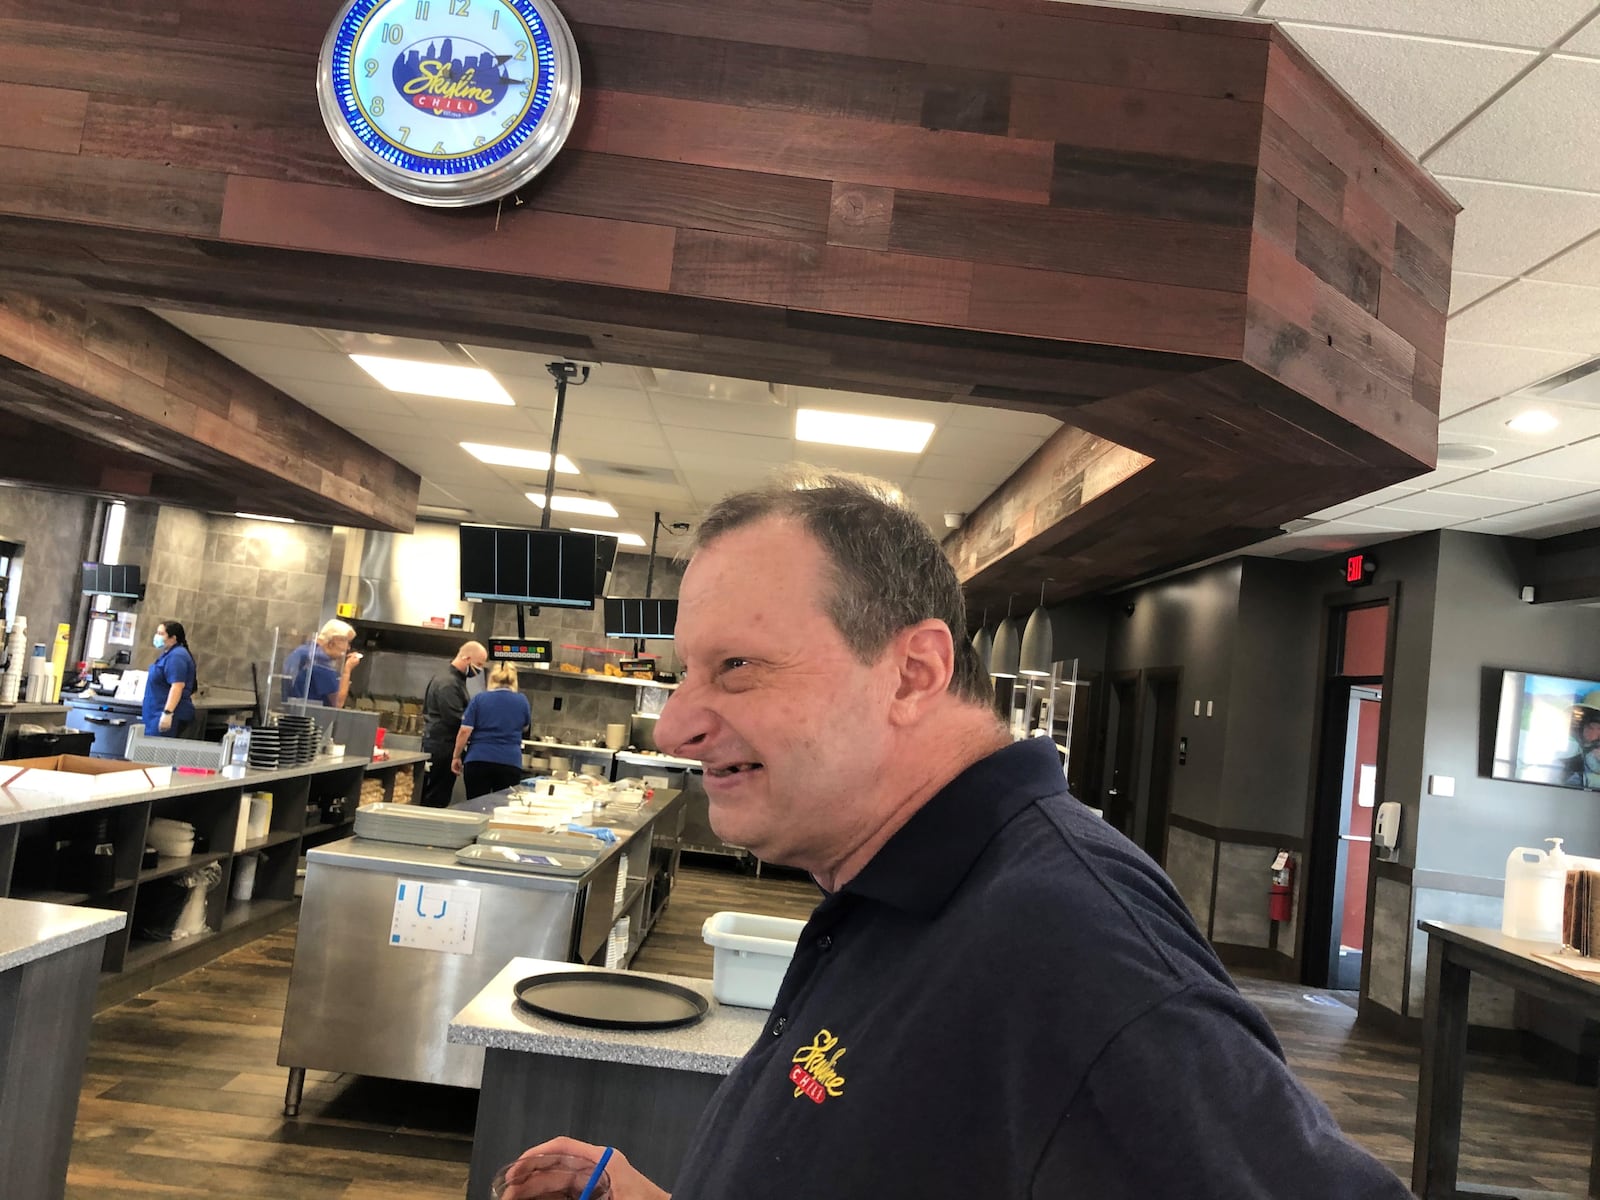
point(442, 706)
point(169, 690)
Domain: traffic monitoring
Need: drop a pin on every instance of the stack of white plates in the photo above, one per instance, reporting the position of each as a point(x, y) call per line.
point(416, 826)
point(264, 748)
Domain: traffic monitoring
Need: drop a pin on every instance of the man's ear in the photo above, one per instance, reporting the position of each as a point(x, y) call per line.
point(925, 657)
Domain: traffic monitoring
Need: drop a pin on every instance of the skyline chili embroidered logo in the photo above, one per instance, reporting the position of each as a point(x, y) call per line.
point(815, 1073)
point(455, 78)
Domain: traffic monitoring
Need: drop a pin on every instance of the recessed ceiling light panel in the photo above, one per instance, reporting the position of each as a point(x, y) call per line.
point(624, 539)
point(511, 456)
point(586, 506)
point(861, 431)
point(1534, 420)
point(445, 381)
point(264, 517)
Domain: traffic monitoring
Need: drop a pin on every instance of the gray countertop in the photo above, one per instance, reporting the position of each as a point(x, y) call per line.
point(21, 709)
point(16, 806)
point(30, 931)
point(713, 1046)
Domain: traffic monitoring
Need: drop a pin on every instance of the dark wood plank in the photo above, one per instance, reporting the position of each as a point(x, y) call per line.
point(1403, 310)
point(1336, 260)
point(829, 25)
point(783, 143)
point(721, 71)
point(1049, 41)
point(676, 194)
point(1368, 224)
point(1136, 120)
point(1118, 246)
point(71, 187)
point(42, 118)
point(365, 222)
point(1118, 312)
point(837, 279)
point(1301, 169)
point(1173, 189)
point(859, 215)
point(1427, 271)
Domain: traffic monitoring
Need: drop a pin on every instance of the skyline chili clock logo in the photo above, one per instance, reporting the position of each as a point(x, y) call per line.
point(448, 103)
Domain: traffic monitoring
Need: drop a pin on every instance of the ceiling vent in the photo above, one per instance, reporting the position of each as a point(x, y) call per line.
point(1463, 452)
point(662, 475)
point(1578, 386)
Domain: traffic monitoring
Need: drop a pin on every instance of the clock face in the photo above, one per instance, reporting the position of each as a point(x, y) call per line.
point(448, 102)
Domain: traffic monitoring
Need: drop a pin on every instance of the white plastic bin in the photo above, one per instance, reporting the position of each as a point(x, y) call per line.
point(752, 954)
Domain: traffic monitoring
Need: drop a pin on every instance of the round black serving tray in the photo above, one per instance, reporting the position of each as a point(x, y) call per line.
point(611, 1001)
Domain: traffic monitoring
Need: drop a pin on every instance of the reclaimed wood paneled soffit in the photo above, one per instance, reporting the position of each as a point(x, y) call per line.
point(1170, 231)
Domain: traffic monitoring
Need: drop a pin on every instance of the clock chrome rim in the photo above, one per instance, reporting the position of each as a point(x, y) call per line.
point(490, 183)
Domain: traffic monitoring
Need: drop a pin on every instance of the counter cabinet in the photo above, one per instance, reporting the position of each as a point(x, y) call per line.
point(94, 857)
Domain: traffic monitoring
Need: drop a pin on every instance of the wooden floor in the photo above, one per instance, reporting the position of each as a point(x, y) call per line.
point(183, 1097)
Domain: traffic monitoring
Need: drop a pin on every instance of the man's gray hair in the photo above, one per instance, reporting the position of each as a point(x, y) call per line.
point(335, 628)
point(888, 570)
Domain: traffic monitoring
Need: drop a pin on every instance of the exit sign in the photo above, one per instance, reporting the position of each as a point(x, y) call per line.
point(1359, 569)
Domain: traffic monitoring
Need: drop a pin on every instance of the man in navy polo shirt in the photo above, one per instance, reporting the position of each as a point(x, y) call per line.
point(999, 996)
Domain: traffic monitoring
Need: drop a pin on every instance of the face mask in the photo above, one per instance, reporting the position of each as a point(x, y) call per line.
point(159, 642)
point(471, 671)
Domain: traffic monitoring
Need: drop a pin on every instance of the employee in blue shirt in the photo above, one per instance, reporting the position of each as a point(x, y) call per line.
point(169, 688)
point(491, 735)
point(320, 670)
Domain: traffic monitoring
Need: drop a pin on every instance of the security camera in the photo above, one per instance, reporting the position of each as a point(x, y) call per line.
point(952, 520)
point(680, 527)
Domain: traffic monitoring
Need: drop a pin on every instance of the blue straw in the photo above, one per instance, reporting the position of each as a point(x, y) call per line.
point(599, 1170)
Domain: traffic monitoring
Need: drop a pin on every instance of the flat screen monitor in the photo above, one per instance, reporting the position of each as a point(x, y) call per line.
point(640, 618)
point(552, 567)
point(1547, 730)
point(113, 579)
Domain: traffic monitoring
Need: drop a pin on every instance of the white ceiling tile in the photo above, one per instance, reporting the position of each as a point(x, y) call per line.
point(1580, 265)
point(1444, 474)
point(1466, 287)
point(1534, 133)
point(1001, 420)
point(1477, 371)
point(947, 495)
point(1384, 495)
point(1506, 228)
point(884, 464)
point(766, 420)
point(596, 400)
point(1585, 41)
point(1010, 448)
point(207, 328)
point(1410, 522)
point(744, 447)
point(1529, 489)
point(1489, 420)
point(582, 433)
point(1507, 22)
point(1560, 516)
point(1333, 513)
point(1578, 461)
point(1231, 8)
point(1508, 526)
point(1418, 89)
point(1450, 504)
point(952, 467)
point(323, 366)
point(902, 407)
point(692, 385)
point(1544, 316)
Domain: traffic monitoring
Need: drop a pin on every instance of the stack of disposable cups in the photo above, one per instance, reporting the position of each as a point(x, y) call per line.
point(16, 650)
point(41, 677)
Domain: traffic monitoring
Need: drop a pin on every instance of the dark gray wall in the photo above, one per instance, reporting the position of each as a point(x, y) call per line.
point(1191, 622)
point(53, 529)
point(1485, 625)
point(1269, 724)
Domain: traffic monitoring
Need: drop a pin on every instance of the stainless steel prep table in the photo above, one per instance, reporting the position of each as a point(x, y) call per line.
point(360, 1004)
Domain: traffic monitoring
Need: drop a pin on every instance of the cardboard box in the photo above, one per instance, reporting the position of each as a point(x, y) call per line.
point(78, 777)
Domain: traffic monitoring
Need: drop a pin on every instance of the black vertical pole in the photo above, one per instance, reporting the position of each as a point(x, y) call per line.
point(559, 373)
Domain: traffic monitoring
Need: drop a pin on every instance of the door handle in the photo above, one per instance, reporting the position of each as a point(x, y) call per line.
point(1353, 837)
point(104, 721)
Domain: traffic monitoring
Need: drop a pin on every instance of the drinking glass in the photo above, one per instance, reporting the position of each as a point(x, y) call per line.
point(548, 1177)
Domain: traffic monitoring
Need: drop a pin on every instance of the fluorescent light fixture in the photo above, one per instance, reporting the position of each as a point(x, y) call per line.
point(867, 433)
point(583, 505)
point(260, 517)
point(624, 539)
point(1535, 420)
point(448, 382)
point(510, 456)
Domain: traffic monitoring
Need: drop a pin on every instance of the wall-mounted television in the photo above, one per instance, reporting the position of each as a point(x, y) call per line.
point(1547, 730)
point(509, 565)
point(639, 617)
point(113, 579)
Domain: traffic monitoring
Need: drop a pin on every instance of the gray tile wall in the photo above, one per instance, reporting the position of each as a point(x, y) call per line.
point(1191, 860)
point(1388, 949)
point(1243, 874)
point(53, 529)
point(1489, 1003)
point(234, 584)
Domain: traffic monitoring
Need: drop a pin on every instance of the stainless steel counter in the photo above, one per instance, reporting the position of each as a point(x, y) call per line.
point(363, 1001)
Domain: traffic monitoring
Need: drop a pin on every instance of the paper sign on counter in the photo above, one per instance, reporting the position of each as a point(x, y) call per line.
point(434, 916)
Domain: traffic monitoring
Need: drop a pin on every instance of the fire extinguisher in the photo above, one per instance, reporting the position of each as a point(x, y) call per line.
point(1280, 895)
